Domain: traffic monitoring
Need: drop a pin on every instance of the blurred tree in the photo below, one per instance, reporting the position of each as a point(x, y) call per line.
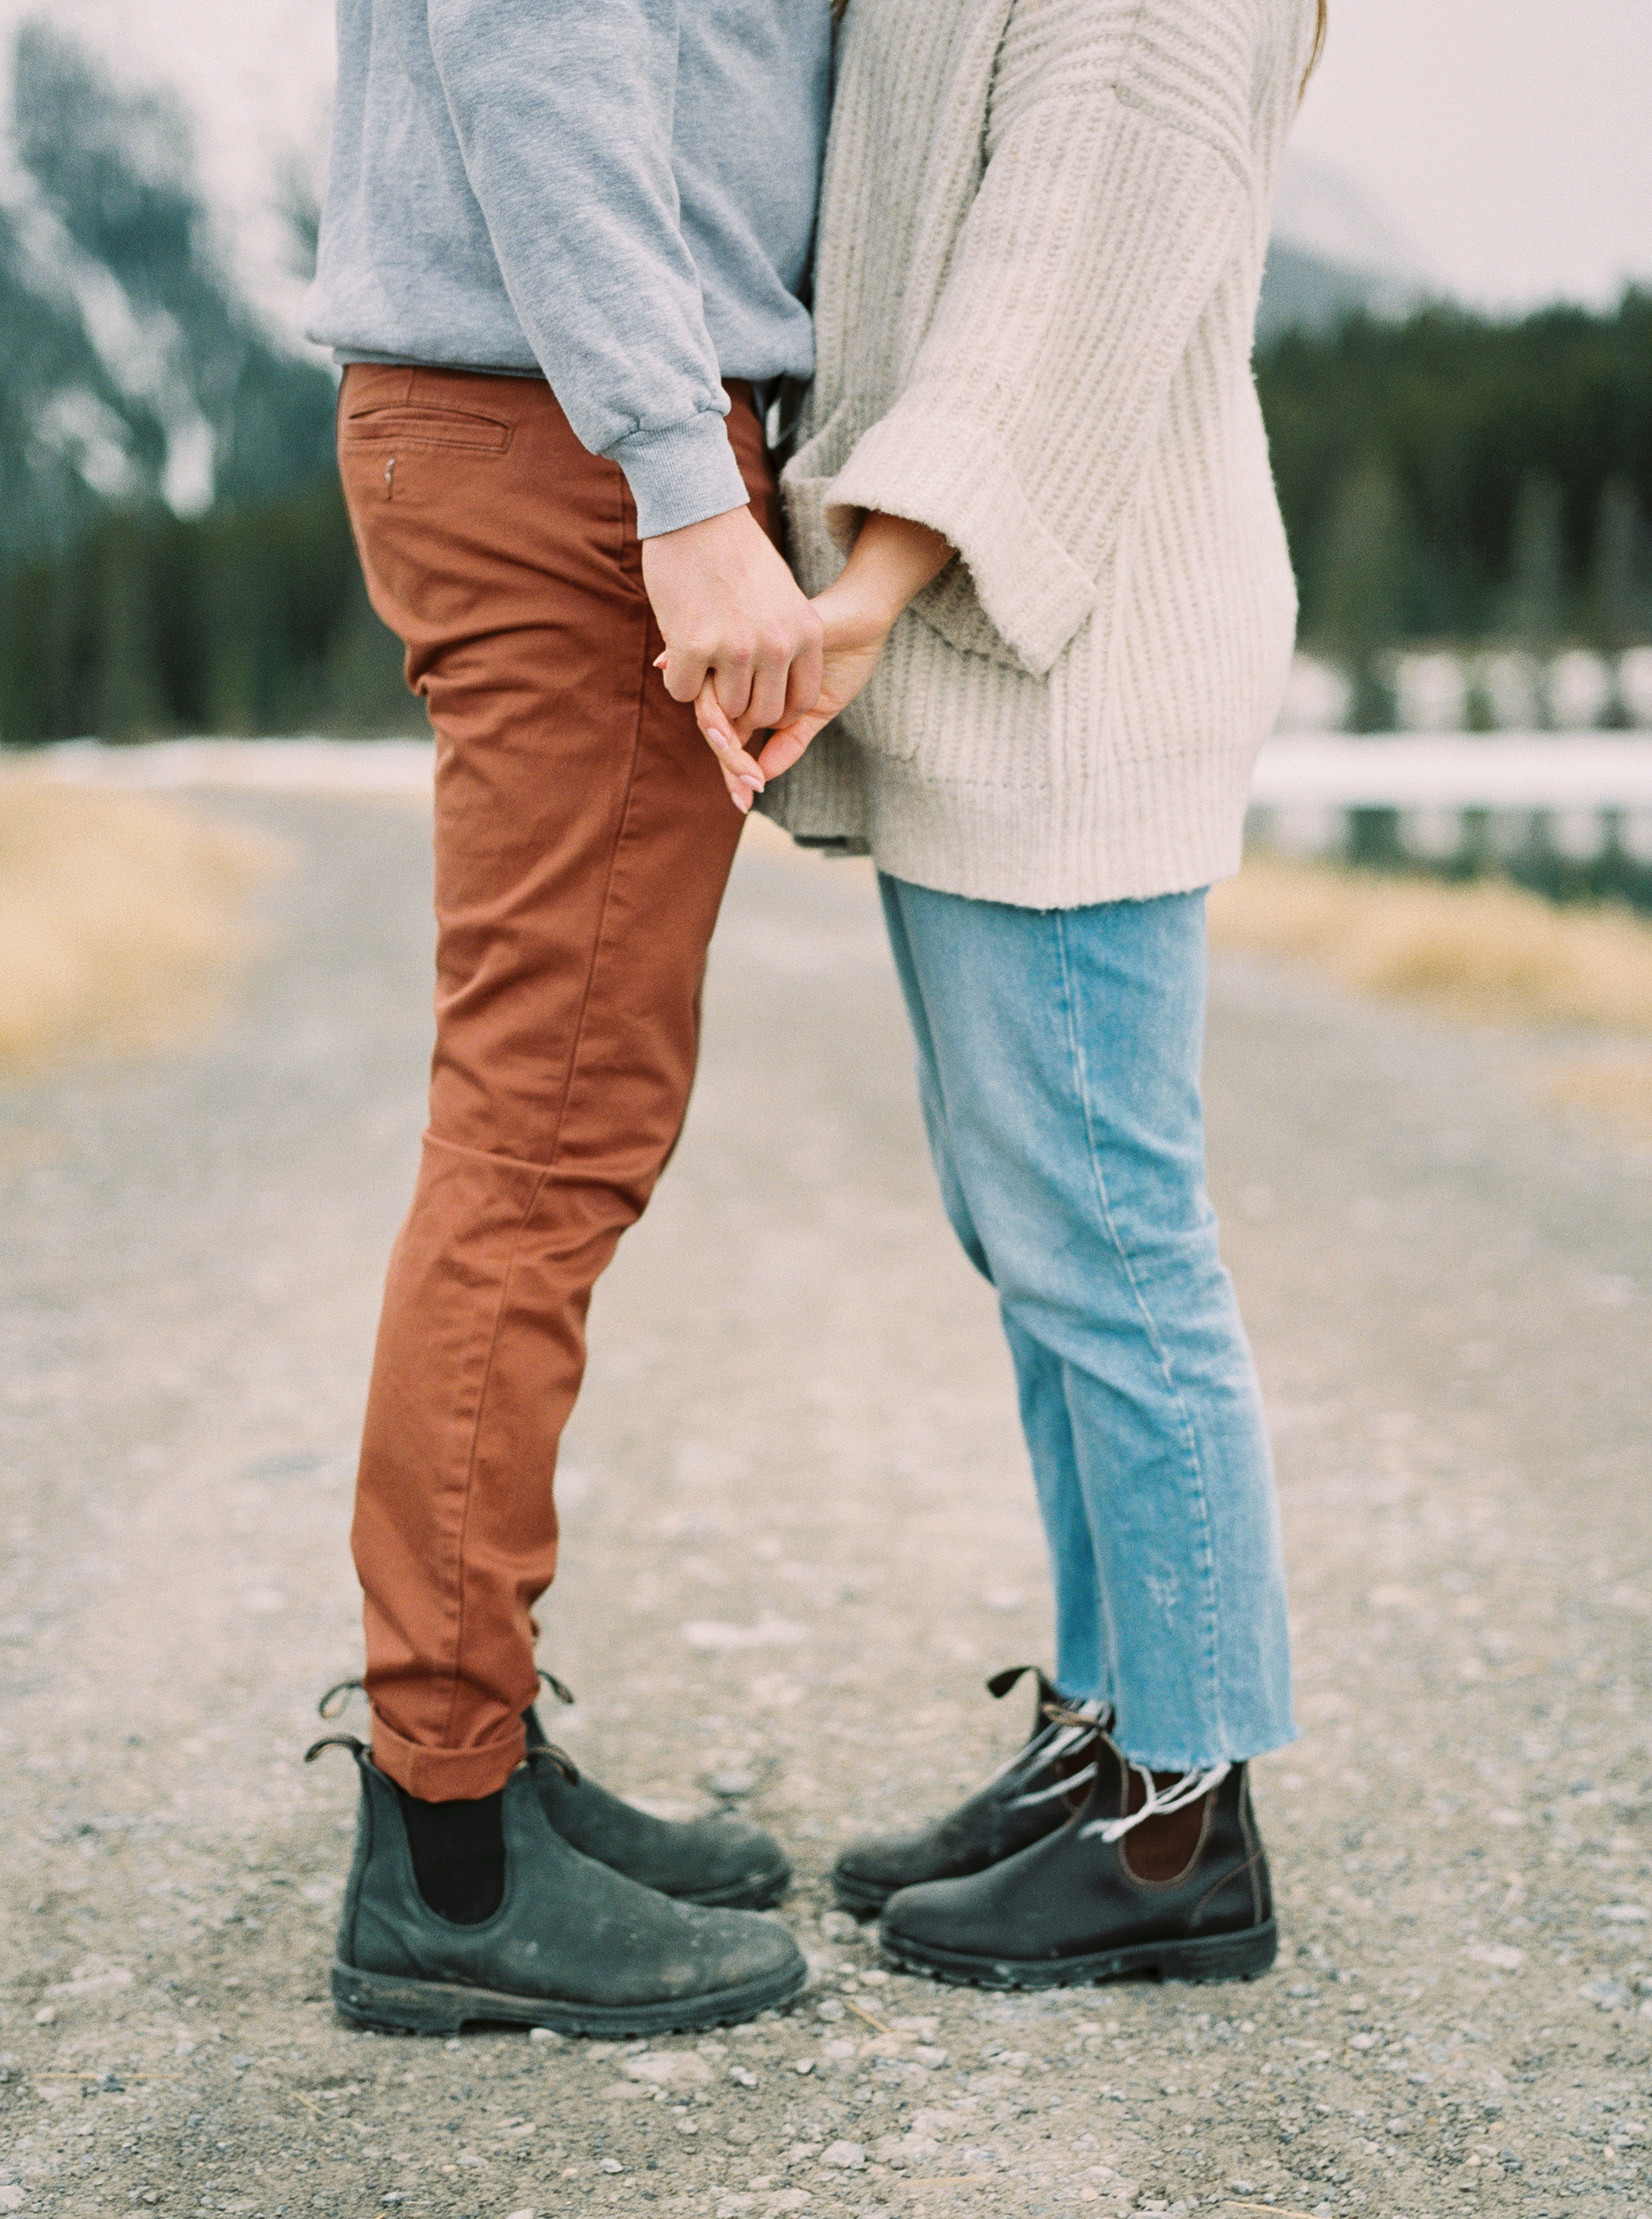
point(1467, 416)
point(1368, 562)
point(1620, 572)
point(1536, 599)
point(125, 692)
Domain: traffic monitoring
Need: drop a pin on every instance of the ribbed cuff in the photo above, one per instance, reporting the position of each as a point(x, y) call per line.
point(680, 474)
point(938, 470)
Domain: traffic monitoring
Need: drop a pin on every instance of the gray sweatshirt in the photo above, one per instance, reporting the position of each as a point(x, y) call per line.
point(618, 193)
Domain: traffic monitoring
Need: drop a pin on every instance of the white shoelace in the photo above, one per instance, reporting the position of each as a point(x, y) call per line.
point(1161, 1801)
point(1035, 1758)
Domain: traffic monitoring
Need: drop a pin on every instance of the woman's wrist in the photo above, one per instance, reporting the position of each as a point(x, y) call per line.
point(891, 561)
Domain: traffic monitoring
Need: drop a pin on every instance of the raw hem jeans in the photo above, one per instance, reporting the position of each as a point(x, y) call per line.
point(1058, 1055)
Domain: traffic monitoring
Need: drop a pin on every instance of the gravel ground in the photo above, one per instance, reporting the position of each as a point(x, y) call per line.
point(800, 1532)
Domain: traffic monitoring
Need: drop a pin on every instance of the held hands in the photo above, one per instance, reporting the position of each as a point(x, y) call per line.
point(892, 560)
point(855, 635)
point(741, 641)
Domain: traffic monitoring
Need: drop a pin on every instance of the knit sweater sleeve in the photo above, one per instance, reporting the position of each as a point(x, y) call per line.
point(1104, 218)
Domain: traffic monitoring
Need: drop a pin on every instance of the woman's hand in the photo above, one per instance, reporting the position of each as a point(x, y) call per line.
point(892, 560)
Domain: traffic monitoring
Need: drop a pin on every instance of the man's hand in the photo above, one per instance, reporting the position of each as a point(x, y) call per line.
point(736, 624)
point(892, 560)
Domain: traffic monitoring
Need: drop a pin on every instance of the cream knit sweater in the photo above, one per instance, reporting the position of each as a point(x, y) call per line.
point(1040, 247)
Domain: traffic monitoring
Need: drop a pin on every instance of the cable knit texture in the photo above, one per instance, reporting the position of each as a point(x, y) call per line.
point(1041, 245)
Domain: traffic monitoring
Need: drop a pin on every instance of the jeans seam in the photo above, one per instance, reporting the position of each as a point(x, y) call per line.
point(1075, 1048)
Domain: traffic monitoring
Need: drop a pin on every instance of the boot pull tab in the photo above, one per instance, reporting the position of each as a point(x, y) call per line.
point(357, 1749)
point(335, 1701)
point(559, 1688)
point(546, 1752)
point(1001, 1682)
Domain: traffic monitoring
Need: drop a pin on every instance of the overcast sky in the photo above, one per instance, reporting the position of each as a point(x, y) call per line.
point(1508, 142)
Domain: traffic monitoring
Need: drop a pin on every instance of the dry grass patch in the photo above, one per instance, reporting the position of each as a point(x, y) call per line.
point(1613, 1088)
point(1487, 950)
point(121, 917)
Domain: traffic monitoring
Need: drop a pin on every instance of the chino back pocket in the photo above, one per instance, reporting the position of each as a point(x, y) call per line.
point(383, 448)
point(418, 426)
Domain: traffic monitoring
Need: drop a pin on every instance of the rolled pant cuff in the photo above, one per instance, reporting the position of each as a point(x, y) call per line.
point(446, 1775)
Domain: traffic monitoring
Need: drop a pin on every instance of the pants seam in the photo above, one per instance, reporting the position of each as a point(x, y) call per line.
point(1075, 1048)
point(597, 936)
point(476, 1442)
point(554, 1149)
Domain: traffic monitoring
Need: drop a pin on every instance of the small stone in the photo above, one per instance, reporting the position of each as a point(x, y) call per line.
point(46, 2015)
point(741, 2078)
point(688, 2125)
point(11, 2196)
point(850, 2157)
point(526, 2212)
point(804, 2065)
point(829, 2008)
point(1624, 1914)
point(839, 1926)
point(543, 2034)
point(666, 2068)
point(609, 2164)
point(1607, 1995)
point(925, 2054)
point(732, 1784)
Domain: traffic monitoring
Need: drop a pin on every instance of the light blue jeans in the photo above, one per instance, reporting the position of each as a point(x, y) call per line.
point(1058, 1054)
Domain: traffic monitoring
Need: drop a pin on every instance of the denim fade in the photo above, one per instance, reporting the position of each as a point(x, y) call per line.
point(1059, 1058)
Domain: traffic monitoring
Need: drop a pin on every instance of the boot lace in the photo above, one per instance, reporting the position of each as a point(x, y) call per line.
point(1160, 1801)
point(1067, 1726)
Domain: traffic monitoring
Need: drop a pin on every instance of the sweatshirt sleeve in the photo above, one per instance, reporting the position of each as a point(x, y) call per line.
point(563, 111)
point(1095, 241)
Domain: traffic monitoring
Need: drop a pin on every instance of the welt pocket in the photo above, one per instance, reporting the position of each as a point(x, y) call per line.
point(428, 428)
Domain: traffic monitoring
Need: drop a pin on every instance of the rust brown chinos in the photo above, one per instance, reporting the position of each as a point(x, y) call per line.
point(583, 840)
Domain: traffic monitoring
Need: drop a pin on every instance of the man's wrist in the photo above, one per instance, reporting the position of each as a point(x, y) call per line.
point(682, 473)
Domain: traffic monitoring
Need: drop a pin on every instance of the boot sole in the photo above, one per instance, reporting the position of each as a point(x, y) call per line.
point(864, 1898)
point(392, 2004)
point(754, 1894)
point(1242, 1957)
